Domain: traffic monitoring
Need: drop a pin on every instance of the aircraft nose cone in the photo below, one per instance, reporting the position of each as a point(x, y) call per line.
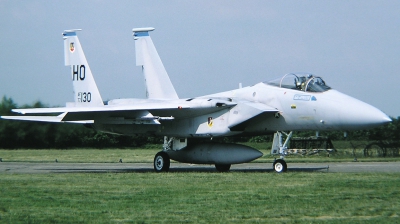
point(362, 115)
point(385, 119)
point(374, 116)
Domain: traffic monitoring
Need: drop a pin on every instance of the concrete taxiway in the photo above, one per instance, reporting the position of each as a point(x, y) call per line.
point(345, 167)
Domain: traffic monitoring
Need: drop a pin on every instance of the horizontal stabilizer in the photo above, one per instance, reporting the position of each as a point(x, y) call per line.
point(54, 119)
point(51, 119)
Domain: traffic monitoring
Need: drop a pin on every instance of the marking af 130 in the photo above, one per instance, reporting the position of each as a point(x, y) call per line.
point(293, 102)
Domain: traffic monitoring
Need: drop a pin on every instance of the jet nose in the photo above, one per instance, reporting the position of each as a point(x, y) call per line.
point(344, 112)
point(386, 119)
point(363, 115)
point(376, 117)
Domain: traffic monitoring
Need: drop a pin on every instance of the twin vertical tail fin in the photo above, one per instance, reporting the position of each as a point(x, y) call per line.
point(86, 93)
point(158, 84)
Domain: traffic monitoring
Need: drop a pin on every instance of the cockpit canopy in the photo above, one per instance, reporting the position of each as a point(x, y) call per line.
point(301, 82)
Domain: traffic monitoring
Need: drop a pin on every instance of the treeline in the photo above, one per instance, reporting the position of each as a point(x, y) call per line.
point(38, 135)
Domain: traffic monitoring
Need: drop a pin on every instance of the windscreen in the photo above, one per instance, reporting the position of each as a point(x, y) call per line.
point(301, 82)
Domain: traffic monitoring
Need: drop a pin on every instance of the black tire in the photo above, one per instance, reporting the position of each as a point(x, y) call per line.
point(223, 167)
point(161, 162)
point(280, 166)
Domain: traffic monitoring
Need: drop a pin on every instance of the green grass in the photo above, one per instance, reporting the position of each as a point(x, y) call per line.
point(194, 197)
point(197, 197)
point(79, 155)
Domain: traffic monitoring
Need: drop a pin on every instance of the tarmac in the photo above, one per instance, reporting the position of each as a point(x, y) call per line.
point(342, 167)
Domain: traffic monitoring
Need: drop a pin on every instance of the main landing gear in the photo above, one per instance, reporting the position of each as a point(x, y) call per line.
point(162, 159)
point(280, 148)
point(161, 162)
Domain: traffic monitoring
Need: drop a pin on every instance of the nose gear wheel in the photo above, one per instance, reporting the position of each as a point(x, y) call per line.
point(280, 166)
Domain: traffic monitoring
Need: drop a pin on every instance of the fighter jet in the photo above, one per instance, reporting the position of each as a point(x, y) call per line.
point(293, 102)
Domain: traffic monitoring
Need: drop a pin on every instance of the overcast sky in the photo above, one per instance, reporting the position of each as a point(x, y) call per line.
point(206, 46)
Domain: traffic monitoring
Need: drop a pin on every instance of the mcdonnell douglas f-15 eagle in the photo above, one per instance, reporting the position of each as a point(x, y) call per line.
point(294, 102)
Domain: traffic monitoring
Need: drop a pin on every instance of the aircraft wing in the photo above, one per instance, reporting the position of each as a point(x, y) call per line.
point(125, 113)
point(106, 108)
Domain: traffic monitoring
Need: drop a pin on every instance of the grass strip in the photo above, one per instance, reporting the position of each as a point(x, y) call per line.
point(200, 198)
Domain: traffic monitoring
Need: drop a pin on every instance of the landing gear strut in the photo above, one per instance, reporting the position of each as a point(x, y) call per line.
point(280, 148)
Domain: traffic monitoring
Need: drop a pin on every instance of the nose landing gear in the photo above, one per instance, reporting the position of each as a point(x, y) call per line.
point(280, 148)
point(280, 166)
